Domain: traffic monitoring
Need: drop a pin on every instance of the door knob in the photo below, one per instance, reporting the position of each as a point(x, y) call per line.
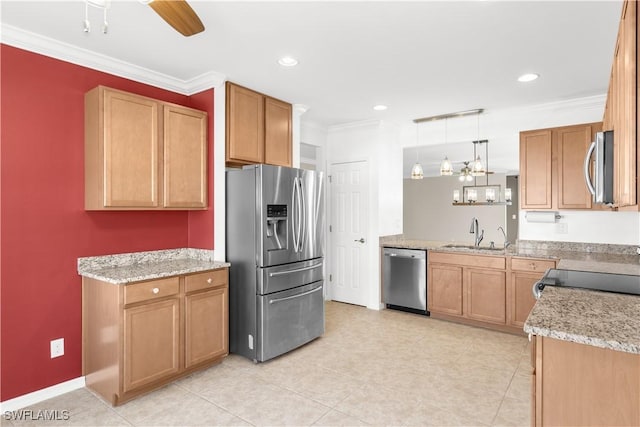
point(361, 240)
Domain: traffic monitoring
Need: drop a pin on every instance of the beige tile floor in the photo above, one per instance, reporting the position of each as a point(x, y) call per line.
point(369, 368)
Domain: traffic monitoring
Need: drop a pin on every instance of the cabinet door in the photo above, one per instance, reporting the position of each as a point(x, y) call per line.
point(486, 295)
point(625, 143)
point(206, 326)
point(535, 169)
point(130, 150)
point(277, 143)
point(151, 342)
point(185, 157)
point(521, 299)
point(444, 289)
point(245, 125)
point(571, 144)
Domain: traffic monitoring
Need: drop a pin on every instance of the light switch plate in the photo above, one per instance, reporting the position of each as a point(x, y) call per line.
point(562, 228)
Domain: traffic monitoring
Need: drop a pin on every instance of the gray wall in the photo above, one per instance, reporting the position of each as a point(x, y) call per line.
point(428, 212)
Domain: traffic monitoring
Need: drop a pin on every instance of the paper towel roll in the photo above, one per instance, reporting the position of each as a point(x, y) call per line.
point(537, 216)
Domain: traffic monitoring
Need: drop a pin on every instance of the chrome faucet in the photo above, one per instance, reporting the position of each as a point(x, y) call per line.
point(506, 242)
point(474, 230)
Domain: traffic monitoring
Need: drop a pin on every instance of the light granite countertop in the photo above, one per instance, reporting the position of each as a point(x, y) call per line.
point(570, 256)
point(601, 319)
point(121, 269)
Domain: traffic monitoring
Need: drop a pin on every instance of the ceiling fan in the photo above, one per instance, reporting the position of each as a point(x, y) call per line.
point(176, 13)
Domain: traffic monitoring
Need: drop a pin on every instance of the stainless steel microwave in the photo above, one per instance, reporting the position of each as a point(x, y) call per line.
point(600, 178)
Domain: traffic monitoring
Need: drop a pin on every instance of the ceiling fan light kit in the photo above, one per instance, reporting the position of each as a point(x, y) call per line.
point(176, 13)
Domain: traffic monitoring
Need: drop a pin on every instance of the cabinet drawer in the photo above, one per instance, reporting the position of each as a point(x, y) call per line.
point(532, 264)
point(208, 279)
point(467, 260)
point(151, 290)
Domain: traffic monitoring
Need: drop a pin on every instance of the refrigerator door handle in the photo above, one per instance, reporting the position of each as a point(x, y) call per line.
point(303, 212)
point(272, 301)
point(293, 214)
point(299, 199)
point(297, 270)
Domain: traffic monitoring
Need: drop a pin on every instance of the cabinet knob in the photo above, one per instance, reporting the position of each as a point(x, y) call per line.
point(533, 265)
point(209, 280)
point(155, 290)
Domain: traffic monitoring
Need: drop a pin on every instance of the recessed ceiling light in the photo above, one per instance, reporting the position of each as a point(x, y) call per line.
point(529, 77)
point(380, 107)
point(288, 61)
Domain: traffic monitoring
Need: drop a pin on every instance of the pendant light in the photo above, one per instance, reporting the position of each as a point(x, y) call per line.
point(446, 169)
point(477, 169)
point(416, 170)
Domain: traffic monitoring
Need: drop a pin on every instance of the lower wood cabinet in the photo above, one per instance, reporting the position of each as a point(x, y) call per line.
point(467, 286)
point(524, 273)
point(140, 336)
point(445, 289)
point(582, 385)
point(484, 290)
point(486, 295)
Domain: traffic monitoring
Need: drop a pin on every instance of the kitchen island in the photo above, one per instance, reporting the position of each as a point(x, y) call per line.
point(585, 358)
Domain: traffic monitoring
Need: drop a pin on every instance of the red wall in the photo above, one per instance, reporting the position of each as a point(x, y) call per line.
point(43, 222)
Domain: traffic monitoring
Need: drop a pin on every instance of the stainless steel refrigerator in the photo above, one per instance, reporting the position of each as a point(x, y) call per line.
point(274, 242)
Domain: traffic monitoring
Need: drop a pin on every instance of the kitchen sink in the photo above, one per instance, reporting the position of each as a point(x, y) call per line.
point(481, 248)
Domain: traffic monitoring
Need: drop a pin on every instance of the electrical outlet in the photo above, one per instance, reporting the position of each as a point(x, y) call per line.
point(562, 228)
point(57, 347)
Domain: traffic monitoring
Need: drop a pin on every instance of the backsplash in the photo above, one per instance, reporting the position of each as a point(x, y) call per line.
point(578, 247)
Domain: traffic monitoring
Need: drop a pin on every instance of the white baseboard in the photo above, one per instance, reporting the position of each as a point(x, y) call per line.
point(41, 395)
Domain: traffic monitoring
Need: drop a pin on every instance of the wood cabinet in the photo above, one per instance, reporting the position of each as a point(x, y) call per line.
point(467, 286)
point(552, 167)
point(524, 273)
point(483, 290)
point(445, 289)
point(140, 336)
point(258, 128)
point(578, 384)
point(535, 169)
point(142, 153)
point(621, 109)
point(486, 295)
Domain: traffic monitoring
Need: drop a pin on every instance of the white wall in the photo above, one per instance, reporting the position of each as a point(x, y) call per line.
point(594, 227)
point(430, 215)
point(377, 144)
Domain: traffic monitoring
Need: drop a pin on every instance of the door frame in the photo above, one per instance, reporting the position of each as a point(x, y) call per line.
point(373, 242)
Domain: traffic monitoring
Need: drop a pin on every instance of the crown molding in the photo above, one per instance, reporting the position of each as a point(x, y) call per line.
point(586, 103)
point(46, 46)
point(355, 125)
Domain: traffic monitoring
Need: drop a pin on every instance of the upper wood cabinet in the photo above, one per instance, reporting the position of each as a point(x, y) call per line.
point(535, 169)
point(621, 109)
point(258, 128)
point(277, 132)
point(552, 167)
point(142, 153)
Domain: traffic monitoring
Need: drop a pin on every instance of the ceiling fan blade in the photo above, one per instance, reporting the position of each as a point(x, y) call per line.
point(179, 15)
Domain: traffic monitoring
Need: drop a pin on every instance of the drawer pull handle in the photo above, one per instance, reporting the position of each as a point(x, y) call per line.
point(155, 290)
point(209, 280)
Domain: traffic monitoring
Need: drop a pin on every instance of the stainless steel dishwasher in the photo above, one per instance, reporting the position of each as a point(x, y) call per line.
point(404, 279)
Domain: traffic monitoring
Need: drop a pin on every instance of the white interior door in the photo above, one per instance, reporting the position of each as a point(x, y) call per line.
point(349, 227)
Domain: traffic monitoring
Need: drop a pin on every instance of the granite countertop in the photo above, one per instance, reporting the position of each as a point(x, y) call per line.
point(570, 256)
point(601, 319)
point(121, 269)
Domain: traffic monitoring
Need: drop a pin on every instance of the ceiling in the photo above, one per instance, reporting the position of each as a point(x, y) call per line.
point(418, 58)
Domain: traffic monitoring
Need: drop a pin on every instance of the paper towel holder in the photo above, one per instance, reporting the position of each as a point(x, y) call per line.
point(542, 216)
